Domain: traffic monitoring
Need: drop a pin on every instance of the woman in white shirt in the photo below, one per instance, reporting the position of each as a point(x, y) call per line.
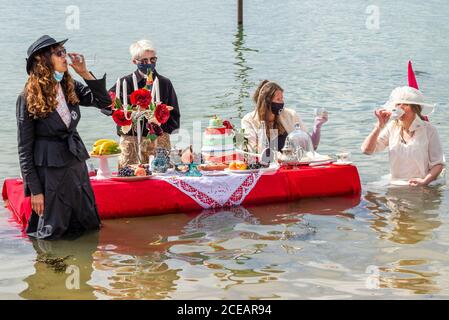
point(413, 143)
point(280, 121)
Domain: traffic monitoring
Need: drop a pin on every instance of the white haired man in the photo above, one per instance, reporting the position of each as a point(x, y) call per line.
point(143, 55)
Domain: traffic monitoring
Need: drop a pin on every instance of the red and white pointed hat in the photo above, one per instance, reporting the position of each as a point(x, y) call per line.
point(409, 95)
point(411, 77)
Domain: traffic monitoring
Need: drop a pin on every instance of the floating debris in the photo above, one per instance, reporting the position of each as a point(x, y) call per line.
point(57, 264)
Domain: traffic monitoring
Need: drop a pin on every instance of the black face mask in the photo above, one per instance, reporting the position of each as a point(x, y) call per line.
point(144, 67)
point(276, 108)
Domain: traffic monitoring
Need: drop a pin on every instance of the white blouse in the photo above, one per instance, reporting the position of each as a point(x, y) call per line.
point(415, 158)
point(251, 123)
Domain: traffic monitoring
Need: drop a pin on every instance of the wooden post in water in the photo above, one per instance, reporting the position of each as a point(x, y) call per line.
point(240, 12)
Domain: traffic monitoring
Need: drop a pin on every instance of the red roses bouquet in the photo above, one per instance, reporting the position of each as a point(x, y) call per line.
point(141, 98)
point(130, 117)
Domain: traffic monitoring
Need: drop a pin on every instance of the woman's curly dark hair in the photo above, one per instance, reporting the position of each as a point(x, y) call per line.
point(41, 87)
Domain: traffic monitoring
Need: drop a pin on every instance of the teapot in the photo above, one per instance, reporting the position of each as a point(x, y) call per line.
point(290, 153)
point(161, 161)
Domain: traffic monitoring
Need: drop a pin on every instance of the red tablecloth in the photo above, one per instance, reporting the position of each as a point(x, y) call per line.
point(152, 197)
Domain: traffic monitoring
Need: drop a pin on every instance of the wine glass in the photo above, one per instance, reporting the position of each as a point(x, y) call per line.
point(320, 112)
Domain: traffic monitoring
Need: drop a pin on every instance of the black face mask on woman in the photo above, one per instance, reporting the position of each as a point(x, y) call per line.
point(276, 108)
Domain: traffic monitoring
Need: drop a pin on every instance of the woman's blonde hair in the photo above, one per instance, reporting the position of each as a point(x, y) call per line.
point(262, 98)
point(416, 108)
point(41, 87)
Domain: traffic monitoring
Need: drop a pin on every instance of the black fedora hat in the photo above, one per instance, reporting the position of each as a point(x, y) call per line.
point(41, 43)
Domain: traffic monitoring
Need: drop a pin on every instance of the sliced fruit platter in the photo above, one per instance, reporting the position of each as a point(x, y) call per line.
point(105, 147)
point(133, 173)
point(243, 167)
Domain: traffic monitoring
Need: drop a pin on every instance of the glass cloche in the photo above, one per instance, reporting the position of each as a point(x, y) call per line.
point(301, 139)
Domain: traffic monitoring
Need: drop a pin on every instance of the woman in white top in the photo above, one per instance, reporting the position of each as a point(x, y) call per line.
point(413, 143)
point(280, 121)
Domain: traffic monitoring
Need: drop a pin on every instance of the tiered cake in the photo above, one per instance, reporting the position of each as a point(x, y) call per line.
point(218, 143)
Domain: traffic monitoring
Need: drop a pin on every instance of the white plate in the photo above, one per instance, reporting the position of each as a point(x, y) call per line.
point(169, 171)
point(133, 178)
point(318, 159)
point(161, 174)
point(342, 163)
point(305, 160)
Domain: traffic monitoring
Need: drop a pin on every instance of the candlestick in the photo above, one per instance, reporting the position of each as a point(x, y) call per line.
point(135, 82)
point(117, 89)
point(139, 140)
point(125, 94)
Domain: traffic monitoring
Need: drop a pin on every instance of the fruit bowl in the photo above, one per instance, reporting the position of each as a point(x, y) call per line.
point(134, 172)
point(103, 149)
point(103, 170)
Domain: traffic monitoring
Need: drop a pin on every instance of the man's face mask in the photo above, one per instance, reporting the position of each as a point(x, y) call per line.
point(276, 108)
point(145, 67)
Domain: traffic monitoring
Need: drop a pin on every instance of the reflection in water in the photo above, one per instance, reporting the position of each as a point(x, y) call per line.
point(242, 87)
point(406, 216)
point(402, 275)
point(242, 252)
point(156, 257)
point(241, 74)
point(119, 276)
point(47, 283)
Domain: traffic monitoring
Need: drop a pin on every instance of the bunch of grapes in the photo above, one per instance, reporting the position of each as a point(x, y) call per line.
point(147, 168)
point(257, 165)
point(126, 172)
point(254, 165)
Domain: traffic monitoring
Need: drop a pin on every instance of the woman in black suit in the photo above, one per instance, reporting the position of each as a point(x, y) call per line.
point(51, 153)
